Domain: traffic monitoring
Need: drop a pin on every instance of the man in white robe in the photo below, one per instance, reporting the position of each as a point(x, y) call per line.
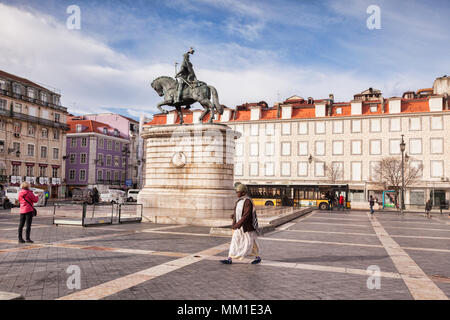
point(245, 238)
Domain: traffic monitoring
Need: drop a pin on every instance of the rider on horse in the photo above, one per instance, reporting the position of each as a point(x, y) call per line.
point(186, 76)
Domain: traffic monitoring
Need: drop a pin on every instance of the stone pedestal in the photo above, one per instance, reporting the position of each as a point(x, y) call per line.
point(189, 174)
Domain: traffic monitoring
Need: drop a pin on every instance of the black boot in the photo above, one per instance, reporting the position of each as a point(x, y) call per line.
point(29, 241)
point(21, 240)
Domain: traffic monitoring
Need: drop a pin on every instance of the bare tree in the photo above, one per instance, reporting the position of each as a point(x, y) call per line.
point(333, 173)
point(388, 173)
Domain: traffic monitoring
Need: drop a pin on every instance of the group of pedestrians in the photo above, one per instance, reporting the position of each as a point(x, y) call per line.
point(335, 201)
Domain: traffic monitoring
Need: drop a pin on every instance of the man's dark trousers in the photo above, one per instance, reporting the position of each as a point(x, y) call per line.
point(25, 218)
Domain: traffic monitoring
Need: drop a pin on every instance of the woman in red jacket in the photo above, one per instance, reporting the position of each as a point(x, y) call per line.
point(26, 200)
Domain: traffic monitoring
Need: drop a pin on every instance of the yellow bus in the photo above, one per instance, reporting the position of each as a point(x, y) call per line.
point(298, 195)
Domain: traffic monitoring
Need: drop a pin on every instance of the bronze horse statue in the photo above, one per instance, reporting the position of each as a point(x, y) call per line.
point(197, 91)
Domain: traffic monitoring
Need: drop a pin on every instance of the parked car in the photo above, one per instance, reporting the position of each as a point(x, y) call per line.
point(83, 195)
point(132, 195)
point(112, 196)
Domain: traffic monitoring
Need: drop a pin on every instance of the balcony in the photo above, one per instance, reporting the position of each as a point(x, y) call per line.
point(28, 118)
point(32, 100)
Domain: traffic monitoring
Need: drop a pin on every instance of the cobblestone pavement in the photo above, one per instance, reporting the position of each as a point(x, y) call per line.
point(324, 255)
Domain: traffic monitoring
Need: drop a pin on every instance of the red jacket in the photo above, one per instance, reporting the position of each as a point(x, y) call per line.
point(30, 197)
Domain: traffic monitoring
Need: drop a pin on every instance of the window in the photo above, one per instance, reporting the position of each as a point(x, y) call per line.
point(73, 143)
point(16, 146)
point(375, 125)
point(116, 161)
point(79, 128)
point(394, 146)
point(375, 147)
point(101, 143)
point(3, 104)
point(57, 117)
point(415, 146)
point(2, 84)
point(2, 146)
point(254, 169)
point(286, 129)
point(30, 93)
point(302, 169)
point(17, 108)
point(356, 126)
point(100, 175)
point(239, 149)
point(17, 127)
point(356, 147)
point(320, 127)
point(437, 145)
point(320, 148)
point(43, 152)
point(108, 175)
point(56, 100)
point(2, 124)
point(82, 175)
point(320, 169)
point(395, 125)
point(116, 133)
point(100, 159)
point(116, 175)
point(270, 149)
point(254, 129)
point(437, 168)
point(16, 88)
point(43, 97)
point(108, 160)
point(15, 170)
point(45, 114)
point(72, 158)
point(71, 174)
point(124, 162)
point(303, 128)
point(56, 134)
point(117, 146)
point(338, 170)
point(417, 197)
point(238, 169)
point(374, 166)
point(30, 150)
point(338, 126)
point(30, 171)
point(42, 171)
point(55, 172)
point(270, 129)
point(286, 169)
point(254, 149)
point(31, 131)
point(303, 148)
point(269, 169)
point(373, 108)
point(83, 158)
point(84, 142)
point(109, 145)
point(436, 123)
point(356, 171)
point(105, 130)
point(338, 110)
point(417, 165)
point(338, 147)
point(44, 133)
point(285, 148)
point(415, 124)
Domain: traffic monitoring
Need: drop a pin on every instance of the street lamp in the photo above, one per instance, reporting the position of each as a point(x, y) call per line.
point(402, 149)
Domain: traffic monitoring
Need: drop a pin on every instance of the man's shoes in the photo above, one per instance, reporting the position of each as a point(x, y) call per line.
point(228, 261)
point(21, 241)
point(257, 260)
point(29, 241)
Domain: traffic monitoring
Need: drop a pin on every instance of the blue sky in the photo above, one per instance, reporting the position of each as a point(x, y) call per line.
point(249, 50)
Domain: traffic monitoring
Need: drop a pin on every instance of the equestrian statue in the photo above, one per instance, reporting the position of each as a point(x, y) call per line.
point(187, 90)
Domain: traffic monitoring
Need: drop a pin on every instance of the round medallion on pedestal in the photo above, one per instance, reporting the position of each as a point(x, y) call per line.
point(179, 159)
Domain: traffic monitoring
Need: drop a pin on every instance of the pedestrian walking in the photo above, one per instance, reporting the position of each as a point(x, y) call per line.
point(244, 241)
point(27, 210)
point(341, 202)
point(371, 204)
point(428, 207)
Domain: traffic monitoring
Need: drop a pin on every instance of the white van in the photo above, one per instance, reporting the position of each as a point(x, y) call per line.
point(112, 196)
point(132, 195)
point(12, 193)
